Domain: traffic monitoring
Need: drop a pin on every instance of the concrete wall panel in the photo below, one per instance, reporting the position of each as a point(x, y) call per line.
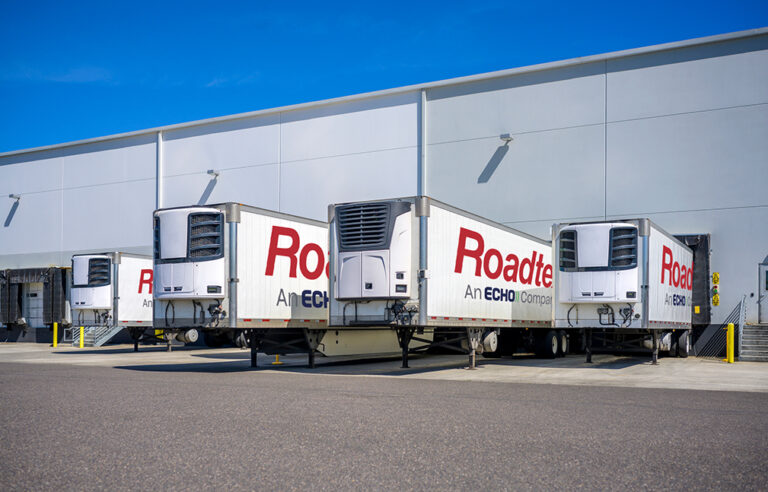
point(227, 145)
point(103, 217)
point(538, 176)
point(351, 128)
point(308, 187)
point(706, 160)
point(547, 100)
point(693, 79)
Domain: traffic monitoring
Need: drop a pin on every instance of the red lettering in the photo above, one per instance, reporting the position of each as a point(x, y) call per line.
point(546, 277)
point(289, 252)
point(492, 253)
point(510, 271)
point(666, 264)
point(463, 251)
point(145, 278)
point(679, 275)
point(527, 271)
point(526, 279)
point(539, 265)
point(311, 274)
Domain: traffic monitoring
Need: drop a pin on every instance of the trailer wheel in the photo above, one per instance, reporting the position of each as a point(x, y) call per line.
point(563, 339)
point(548, 345)
point(684, 344)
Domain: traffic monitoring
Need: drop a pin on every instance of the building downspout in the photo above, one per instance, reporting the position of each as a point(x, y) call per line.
point(233, 218)
point(159, 171)
point(422, 209)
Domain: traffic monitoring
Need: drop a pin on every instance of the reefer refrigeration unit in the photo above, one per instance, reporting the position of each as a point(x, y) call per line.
point(31, 300)
point(628, 281)
point(417, 265)
point(111, 291)
point(256, 277)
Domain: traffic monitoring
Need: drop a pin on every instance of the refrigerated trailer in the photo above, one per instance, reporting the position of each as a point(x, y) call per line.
point(250, 276)
point(31, 301)
point(111, 292)
point(419, 266)
point(628, 282)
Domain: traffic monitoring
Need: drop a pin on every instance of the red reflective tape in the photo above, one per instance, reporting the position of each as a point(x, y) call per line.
point(433, 317)
point(461, 319)
point(307, 320)
point(247, 319)
point(286, 320)
point(265, 320)
point(446, 318)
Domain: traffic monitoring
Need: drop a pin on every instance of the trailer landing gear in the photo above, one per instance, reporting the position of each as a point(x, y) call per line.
point(588, 345)
point(655, 358)
point(474, 336)
point(404, 336)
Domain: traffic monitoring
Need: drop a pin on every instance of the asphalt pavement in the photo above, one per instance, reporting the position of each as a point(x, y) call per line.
point(119, 428)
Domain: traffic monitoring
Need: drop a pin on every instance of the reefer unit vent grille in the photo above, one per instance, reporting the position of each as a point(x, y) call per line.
point(567, 250)
point(98, 272)
point(206, 235)
point(623, 247)
point(363, 226)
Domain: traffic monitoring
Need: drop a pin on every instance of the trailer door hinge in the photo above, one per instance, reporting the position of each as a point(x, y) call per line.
point(423, 273)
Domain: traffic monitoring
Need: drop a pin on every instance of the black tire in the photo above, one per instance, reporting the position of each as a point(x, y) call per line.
point(562, 345)
point(548, 346)
point(684, 344)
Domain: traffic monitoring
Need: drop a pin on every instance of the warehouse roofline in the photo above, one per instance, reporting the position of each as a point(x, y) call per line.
point(409, 88)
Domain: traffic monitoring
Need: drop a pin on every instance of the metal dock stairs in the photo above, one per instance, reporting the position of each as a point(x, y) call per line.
point(754, 343)
point(93, 336)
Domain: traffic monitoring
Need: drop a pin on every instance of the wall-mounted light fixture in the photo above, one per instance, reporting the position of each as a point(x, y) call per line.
point(213, 173)
point(506, 137)
point(13, 196)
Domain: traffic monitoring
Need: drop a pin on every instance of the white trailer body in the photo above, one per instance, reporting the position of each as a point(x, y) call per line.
point(112, 288)
point(244, 273)
point(109, 292)
point(417, 263)
point(462, 271)
point(622, 275)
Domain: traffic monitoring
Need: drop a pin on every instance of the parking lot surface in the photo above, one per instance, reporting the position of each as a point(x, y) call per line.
point(108, 418)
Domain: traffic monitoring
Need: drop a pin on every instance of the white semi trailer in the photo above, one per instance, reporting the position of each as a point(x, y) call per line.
point(421, 267)
point(256, 277)
point(627, 283)
point(111, 292)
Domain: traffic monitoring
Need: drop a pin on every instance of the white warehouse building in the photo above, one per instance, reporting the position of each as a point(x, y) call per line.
point(677, 133)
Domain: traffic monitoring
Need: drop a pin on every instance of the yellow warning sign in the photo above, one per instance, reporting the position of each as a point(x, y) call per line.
point(716, 277)
point(716, 300)
point(697, 309)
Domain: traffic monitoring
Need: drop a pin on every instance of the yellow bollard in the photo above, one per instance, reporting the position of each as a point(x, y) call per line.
point(82, 337)
point(729, 343)
point(277, 360)
point(55, 333)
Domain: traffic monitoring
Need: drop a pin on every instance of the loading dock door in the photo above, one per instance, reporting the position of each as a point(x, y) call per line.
point(700, 292)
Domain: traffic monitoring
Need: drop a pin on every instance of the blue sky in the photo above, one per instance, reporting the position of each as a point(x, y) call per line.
point(74, 70)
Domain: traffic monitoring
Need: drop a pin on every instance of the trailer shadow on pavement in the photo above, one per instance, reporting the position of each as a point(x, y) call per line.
point(239, 361)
